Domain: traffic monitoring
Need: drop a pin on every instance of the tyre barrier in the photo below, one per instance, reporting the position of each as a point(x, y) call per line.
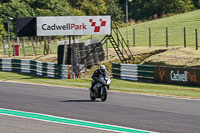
point(89, 59)
point(83, 49)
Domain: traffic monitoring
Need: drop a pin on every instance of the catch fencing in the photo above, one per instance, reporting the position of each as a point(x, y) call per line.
point(185, 36)
point(133, 71)
point(44, 69)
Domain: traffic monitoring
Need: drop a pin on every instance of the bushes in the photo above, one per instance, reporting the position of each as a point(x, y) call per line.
point(142, 9)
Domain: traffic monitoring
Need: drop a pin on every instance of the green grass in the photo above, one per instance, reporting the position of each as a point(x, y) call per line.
point(117, 85)
point(29, 51)
point(175, 24)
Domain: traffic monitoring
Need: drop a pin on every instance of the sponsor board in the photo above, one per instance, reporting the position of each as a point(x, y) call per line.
point(177, 75)
point(73, 25)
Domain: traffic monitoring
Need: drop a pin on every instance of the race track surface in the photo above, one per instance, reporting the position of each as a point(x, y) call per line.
point(146, 112)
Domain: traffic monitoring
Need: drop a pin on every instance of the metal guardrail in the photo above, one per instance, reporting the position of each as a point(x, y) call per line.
point(133, 71)
point(45, 69)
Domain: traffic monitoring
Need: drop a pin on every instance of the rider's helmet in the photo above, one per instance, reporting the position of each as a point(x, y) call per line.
point(102, 68)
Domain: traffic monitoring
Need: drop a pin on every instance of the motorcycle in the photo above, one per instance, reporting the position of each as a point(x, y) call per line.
point(100, 89)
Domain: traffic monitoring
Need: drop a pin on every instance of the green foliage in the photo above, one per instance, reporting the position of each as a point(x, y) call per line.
point(115, 11)
point(49, 7)
point(93, 7)
point(2, 29)
point(14, 9)
point(5, 1)
point(196, 3)
point(31, 8)
point(142, 9)
point(177, 6)
point(138, 9)
point(117, 85)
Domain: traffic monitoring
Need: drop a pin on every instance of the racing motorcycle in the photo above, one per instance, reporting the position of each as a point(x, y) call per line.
point(100, 89)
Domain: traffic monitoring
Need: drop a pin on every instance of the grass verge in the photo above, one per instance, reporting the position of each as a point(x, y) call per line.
point(117, 85)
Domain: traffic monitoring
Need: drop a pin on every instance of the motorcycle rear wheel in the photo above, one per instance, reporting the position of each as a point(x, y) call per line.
point(92, 96)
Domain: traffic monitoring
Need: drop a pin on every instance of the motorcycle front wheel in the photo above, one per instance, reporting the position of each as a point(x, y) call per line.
point(92, 96)
point(104, 94)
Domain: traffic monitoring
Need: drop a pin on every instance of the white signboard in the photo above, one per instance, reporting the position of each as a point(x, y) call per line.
point(73, 25)
point(6, 46)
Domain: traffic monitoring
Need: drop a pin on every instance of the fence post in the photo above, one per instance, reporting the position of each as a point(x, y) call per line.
point(184, 37)
point(117, 38)
point(33, 46)
point(166, 36)
point(23, 44)
point(149, 37)
point(4, 47)
point(36, 40)
point(133, 37)
point(196, 39)
point(45, 45)
point(40, 40)
point(49, 47)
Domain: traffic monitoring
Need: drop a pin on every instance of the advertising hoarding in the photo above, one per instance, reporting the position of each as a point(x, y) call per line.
point(177, 75)
point(73, 25)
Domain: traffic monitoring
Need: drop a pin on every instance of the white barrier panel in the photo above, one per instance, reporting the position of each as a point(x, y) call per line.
point(73, 25)
point(130, 78)
point(35, 67)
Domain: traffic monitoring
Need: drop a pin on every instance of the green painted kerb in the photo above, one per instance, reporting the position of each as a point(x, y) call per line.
point(69, 121)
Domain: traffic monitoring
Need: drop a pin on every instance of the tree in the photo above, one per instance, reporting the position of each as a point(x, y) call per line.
point(14, 9)
point(50, 7)
point(5, 1)
point(115, 11)
point(142, 9)
point(32, 8)
point(196, 3)
point(2, 29)
point(93, 7)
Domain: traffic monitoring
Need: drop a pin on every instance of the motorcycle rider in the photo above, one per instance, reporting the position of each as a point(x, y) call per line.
point(97, 73)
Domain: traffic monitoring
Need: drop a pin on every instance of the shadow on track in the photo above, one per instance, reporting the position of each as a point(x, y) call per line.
point(79, 101)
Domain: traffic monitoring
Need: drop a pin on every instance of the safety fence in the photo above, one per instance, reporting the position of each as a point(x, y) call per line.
point(44, 69)
point(163, 36)
point(133, 71)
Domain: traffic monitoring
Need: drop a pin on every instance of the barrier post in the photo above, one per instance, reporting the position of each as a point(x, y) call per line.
point(69, 72)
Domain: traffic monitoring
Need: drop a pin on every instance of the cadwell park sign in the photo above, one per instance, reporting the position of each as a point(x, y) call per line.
point(177, 75)
point(73, 25)
point(63, 25)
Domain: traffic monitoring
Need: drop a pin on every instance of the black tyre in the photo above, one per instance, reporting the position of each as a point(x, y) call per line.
point(104, 94)
point(92, 96)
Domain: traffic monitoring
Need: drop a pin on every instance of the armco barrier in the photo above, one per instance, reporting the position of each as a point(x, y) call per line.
point(133, 71)
point(45, 69)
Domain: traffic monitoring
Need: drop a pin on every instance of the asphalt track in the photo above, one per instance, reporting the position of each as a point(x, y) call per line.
point(146, 112)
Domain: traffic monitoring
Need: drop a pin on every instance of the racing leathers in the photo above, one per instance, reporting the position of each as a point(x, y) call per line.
point(97, 73)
